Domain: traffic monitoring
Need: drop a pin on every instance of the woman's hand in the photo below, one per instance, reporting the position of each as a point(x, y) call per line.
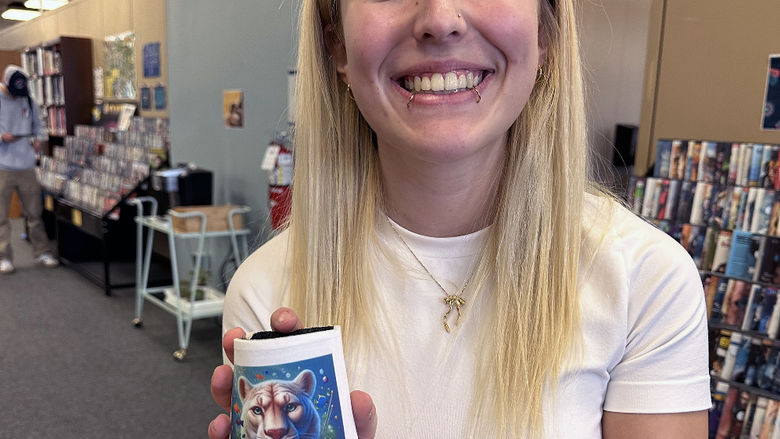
point(282, 320)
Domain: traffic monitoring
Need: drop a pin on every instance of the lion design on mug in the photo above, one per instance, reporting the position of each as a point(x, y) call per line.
point(276, 409)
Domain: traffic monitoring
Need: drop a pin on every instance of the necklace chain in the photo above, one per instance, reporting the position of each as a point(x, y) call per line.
point(451, 300)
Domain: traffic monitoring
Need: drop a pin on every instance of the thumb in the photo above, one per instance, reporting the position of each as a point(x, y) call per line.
point(364, 412)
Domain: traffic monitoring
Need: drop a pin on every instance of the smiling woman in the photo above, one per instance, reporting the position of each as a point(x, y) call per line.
point(444, 217)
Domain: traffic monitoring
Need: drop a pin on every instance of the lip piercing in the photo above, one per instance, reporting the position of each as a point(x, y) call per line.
point(479, 96)
point(411, 98)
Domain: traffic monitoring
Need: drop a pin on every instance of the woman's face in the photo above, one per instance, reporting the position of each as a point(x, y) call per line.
point(394, 46)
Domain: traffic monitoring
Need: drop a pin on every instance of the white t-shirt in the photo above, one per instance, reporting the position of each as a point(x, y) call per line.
point(643, 324)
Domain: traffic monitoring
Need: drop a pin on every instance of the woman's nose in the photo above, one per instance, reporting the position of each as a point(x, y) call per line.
point(438, 21)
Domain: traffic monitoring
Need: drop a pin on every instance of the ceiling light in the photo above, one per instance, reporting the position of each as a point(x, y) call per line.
point(17, 11)
point(47, 5)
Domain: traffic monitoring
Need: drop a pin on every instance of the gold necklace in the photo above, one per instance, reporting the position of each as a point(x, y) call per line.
point(451, 300)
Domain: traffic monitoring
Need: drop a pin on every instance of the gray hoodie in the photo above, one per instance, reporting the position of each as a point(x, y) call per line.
point(17, 118)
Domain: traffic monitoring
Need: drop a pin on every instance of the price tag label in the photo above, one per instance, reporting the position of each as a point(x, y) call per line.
point(49, 203)
point(269, 160)
point(75, 217)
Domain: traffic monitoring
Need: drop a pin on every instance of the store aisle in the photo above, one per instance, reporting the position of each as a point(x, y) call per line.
point(72, 365)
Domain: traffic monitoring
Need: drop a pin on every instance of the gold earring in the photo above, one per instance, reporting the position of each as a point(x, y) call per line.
point(539, 72)
point(349, 92)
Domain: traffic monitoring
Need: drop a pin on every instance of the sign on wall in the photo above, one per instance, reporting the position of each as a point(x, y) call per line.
point(151, 53)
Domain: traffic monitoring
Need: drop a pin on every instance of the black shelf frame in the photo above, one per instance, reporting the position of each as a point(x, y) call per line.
point(85, 236)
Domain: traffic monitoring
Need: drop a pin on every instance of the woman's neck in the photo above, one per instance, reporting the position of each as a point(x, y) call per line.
point(441, 199)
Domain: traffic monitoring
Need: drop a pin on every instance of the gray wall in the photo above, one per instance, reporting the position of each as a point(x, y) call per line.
point(218, 45)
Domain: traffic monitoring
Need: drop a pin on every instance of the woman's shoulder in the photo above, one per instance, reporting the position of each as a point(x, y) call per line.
point(608, 224)
point(259, 285)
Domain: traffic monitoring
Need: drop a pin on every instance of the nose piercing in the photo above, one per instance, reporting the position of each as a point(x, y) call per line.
point(460, 16)
point(479, 96)
point(411, 98)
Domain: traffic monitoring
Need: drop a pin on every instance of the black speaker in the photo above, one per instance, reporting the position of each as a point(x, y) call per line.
point(195, 187)
point(625, 145)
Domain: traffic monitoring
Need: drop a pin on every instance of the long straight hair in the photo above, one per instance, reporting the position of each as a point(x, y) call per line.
point(531, 257)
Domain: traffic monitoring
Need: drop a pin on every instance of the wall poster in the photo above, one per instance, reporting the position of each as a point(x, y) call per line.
point(772, 102)
point(233, 108)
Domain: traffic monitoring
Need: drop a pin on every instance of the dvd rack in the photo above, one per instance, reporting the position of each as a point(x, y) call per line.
point(86, 183)
point(721, 201)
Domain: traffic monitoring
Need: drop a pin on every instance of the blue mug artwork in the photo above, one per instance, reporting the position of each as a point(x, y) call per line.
point(296, 399)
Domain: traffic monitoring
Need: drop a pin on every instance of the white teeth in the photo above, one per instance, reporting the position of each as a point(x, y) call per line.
point(451, 81)
point(437, 82)
point(462, 82)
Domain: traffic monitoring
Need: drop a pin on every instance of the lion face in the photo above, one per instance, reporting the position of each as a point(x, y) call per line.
point(277, 409)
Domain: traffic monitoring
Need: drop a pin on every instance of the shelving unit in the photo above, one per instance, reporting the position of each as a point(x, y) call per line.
point(61, 83)
point(721, 201)
point(87, 184)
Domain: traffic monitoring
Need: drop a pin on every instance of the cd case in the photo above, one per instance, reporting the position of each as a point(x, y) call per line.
point(291, 385)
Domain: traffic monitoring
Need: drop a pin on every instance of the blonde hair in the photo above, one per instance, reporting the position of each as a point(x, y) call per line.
point(532, 254)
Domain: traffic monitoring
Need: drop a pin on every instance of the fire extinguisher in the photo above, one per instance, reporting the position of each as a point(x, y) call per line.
point(280, 179)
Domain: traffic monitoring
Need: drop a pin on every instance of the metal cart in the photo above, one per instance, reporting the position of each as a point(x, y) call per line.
point(185, 308)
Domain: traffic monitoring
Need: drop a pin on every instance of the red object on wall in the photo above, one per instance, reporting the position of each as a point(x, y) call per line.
point(279, 199)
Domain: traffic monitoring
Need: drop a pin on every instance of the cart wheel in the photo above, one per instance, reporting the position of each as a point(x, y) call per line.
point(179, 355)
point(138, 323)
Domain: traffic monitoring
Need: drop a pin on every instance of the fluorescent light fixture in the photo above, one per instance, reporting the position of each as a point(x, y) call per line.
point(47, 5)
point(16, 11)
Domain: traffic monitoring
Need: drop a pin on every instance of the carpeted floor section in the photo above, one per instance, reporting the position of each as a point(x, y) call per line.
point(73, 366)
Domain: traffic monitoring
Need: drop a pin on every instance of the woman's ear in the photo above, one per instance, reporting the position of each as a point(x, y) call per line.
point(336, 50)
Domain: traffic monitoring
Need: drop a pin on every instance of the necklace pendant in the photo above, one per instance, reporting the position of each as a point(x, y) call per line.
point(453, 301)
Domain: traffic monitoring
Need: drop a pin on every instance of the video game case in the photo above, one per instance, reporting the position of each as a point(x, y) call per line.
point(677, 159)
point(774, 218)
point(758, 417)
point(735, 303)
point(745, 155)
point(662, 159)
point(685, 203)
point(720, 206)
point(692, 163)
point(722, 248)
point(722, 163)
point(750, 206)
point(754, 175)
point(708, 250)
point(659, 210)
point(647, 201)
point(769, 265)
point(700, 197)
point(768, 166)
point(756, 215)
point(671, 201)
point(707, 162)
point(742, 255)
point(737, 192)
point(733, 164)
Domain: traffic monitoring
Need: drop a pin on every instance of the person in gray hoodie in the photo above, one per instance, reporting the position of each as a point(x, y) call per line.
point(20, 128)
